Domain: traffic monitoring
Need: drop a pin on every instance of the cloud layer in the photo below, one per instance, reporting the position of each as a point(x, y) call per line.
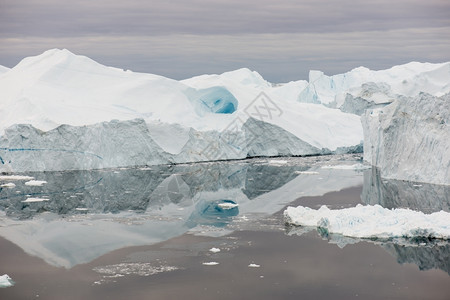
point(282, 39)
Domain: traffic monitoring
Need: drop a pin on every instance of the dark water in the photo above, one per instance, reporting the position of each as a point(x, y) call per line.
point(146, 234)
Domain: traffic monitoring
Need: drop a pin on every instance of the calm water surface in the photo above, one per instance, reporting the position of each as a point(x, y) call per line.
point(147, 233)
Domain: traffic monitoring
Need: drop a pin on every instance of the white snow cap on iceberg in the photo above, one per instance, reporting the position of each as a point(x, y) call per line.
point(372, 221)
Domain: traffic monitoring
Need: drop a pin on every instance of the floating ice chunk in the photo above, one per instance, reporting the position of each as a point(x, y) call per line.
point(372, 222)
point(214, 250)
point(347, 167)
point(6, 281)
point(139, 269)
point(31, 199)
point(277, 162)
point(15, 177)
point(253, 266)
point(307, 172)
point(211, 263)
point(9, 185)
point(36, 182)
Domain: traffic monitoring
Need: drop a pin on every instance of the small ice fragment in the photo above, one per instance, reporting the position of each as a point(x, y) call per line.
point(227, 205)
point(9, 185)
point(253, 266)
point(35, 182)
point(214, 250)
point(211, 263)
point(277, 162)
point(15, 177)
point(307, 172)
point(31, 199)
point(347, 167)
point(6, 281)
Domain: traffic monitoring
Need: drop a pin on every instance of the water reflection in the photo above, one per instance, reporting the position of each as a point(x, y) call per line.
point(426, 254)
point(428, 198)
point(390, 193)
point(139, 190)
point(85, 214)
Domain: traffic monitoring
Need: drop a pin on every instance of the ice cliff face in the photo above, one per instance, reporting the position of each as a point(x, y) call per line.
point(410, 139)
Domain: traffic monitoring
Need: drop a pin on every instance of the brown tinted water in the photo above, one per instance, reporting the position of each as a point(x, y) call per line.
point(290, 267)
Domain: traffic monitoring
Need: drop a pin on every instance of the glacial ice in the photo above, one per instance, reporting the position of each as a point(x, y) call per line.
point(372, 222)
point(410, 139)
point(61, 111)
point(6, 281)
point(362, 88)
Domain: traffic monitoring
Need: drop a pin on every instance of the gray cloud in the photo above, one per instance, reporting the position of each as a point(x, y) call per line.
point(281, 39)
point(279, 57)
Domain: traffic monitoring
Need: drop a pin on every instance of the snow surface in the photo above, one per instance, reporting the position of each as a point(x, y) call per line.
point(372, 222)
point(3, 69)
point(410, 139)
point(6, 281)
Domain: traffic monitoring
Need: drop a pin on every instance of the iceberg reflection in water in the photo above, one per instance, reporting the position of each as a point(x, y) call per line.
point(85, 214)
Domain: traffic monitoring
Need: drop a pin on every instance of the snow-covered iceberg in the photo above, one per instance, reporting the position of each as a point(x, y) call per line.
point(372, 222)
point(410, 139)
point(62, 111)
point(362, 88)
point(3, 69)
point(6, 281)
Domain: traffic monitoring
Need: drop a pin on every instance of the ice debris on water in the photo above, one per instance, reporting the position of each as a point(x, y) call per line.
point(35, 183)
point(372, 222)
point(211, 263)
point(6, 281)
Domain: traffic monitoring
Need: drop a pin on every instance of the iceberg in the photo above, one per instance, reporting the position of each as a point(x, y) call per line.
point(410, 139)
point(372, 222)
point(362, 88)
point(62, 111)
point(6, 281)
point(3, 69)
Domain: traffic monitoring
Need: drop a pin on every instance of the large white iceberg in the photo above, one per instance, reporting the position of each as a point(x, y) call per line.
point(62, 111)
point(372, 222)
point(410, 139)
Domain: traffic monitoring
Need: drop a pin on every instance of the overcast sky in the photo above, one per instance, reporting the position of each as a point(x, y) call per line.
point(281, 39)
